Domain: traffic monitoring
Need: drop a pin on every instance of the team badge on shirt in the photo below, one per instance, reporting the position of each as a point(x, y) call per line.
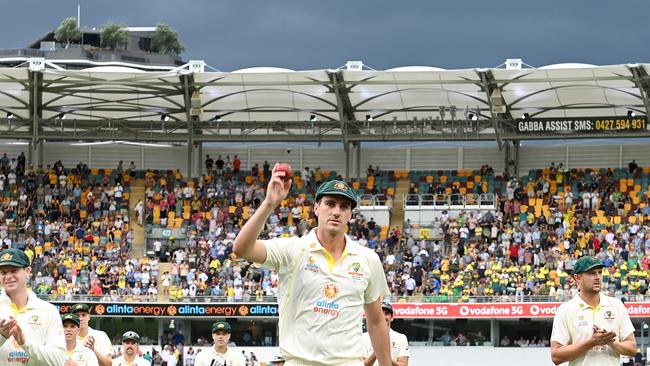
point(354, 271)
point(609, 316)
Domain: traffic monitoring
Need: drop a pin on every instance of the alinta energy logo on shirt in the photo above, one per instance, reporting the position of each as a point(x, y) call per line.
point(17, 356)
point(328, 306)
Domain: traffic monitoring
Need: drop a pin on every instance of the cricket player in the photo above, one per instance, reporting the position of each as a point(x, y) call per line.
point(326, 280)
point(31, 333)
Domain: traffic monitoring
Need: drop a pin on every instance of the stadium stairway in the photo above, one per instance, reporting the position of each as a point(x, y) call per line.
point(137, 193)
point(401, 189)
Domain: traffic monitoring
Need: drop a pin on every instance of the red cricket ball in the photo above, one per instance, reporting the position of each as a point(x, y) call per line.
point(286, 168)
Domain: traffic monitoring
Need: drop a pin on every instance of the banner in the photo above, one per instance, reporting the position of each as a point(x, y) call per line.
point(400, 310)
point(581, 125)
point(495, 310)
point(176, 310)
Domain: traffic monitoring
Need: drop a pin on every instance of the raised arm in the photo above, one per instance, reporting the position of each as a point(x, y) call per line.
point(247, 244)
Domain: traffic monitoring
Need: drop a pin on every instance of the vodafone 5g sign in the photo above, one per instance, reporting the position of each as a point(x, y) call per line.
point(494, 310)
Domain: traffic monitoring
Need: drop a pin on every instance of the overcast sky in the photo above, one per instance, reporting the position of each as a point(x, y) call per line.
point(309, 34)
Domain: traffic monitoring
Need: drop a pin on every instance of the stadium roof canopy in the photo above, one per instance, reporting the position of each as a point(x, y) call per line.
point(271, 104)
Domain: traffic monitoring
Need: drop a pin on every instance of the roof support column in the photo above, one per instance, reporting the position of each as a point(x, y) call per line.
point(489, 85)
point(345, 110)
point(640, 79)
point(188, 83)
point(35, 154)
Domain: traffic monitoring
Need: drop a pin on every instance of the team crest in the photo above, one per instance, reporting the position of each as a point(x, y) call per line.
point(609, 316)
point(341, 186)
point(354, 267)
point(7, 257)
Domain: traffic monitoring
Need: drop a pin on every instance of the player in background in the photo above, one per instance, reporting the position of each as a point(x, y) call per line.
point(591, 329)
point(130, 350)
point(220, 354)
point(77, 353)
point(399, 345)
point(31, 332)
point(94, 339)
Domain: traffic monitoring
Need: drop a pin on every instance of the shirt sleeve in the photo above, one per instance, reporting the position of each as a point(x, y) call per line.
point(239, 360)
point(52, 352)
point(366, 345)
point(403, 347)
point(278, 252)
point(91, 358)
point(103, 344)
point(625, 327)
point(560, 332)
point(377, 286)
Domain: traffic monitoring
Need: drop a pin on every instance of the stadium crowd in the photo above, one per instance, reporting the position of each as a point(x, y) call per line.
point(74, 226)
point(526, 247)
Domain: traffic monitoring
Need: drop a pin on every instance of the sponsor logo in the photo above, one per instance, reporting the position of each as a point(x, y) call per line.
point(581, 317)
point(312, 266)
point(171, 310)
point(331, 291)
point(329, 308)
point(243, 310)
point(100, 310)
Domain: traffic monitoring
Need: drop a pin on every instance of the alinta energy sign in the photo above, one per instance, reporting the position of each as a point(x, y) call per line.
point(400, 310)
point(177, 310)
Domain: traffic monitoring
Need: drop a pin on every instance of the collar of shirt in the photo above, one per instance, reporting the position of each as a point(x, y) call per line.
point(582, 305)
point(4, 299)
point(314, 245)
